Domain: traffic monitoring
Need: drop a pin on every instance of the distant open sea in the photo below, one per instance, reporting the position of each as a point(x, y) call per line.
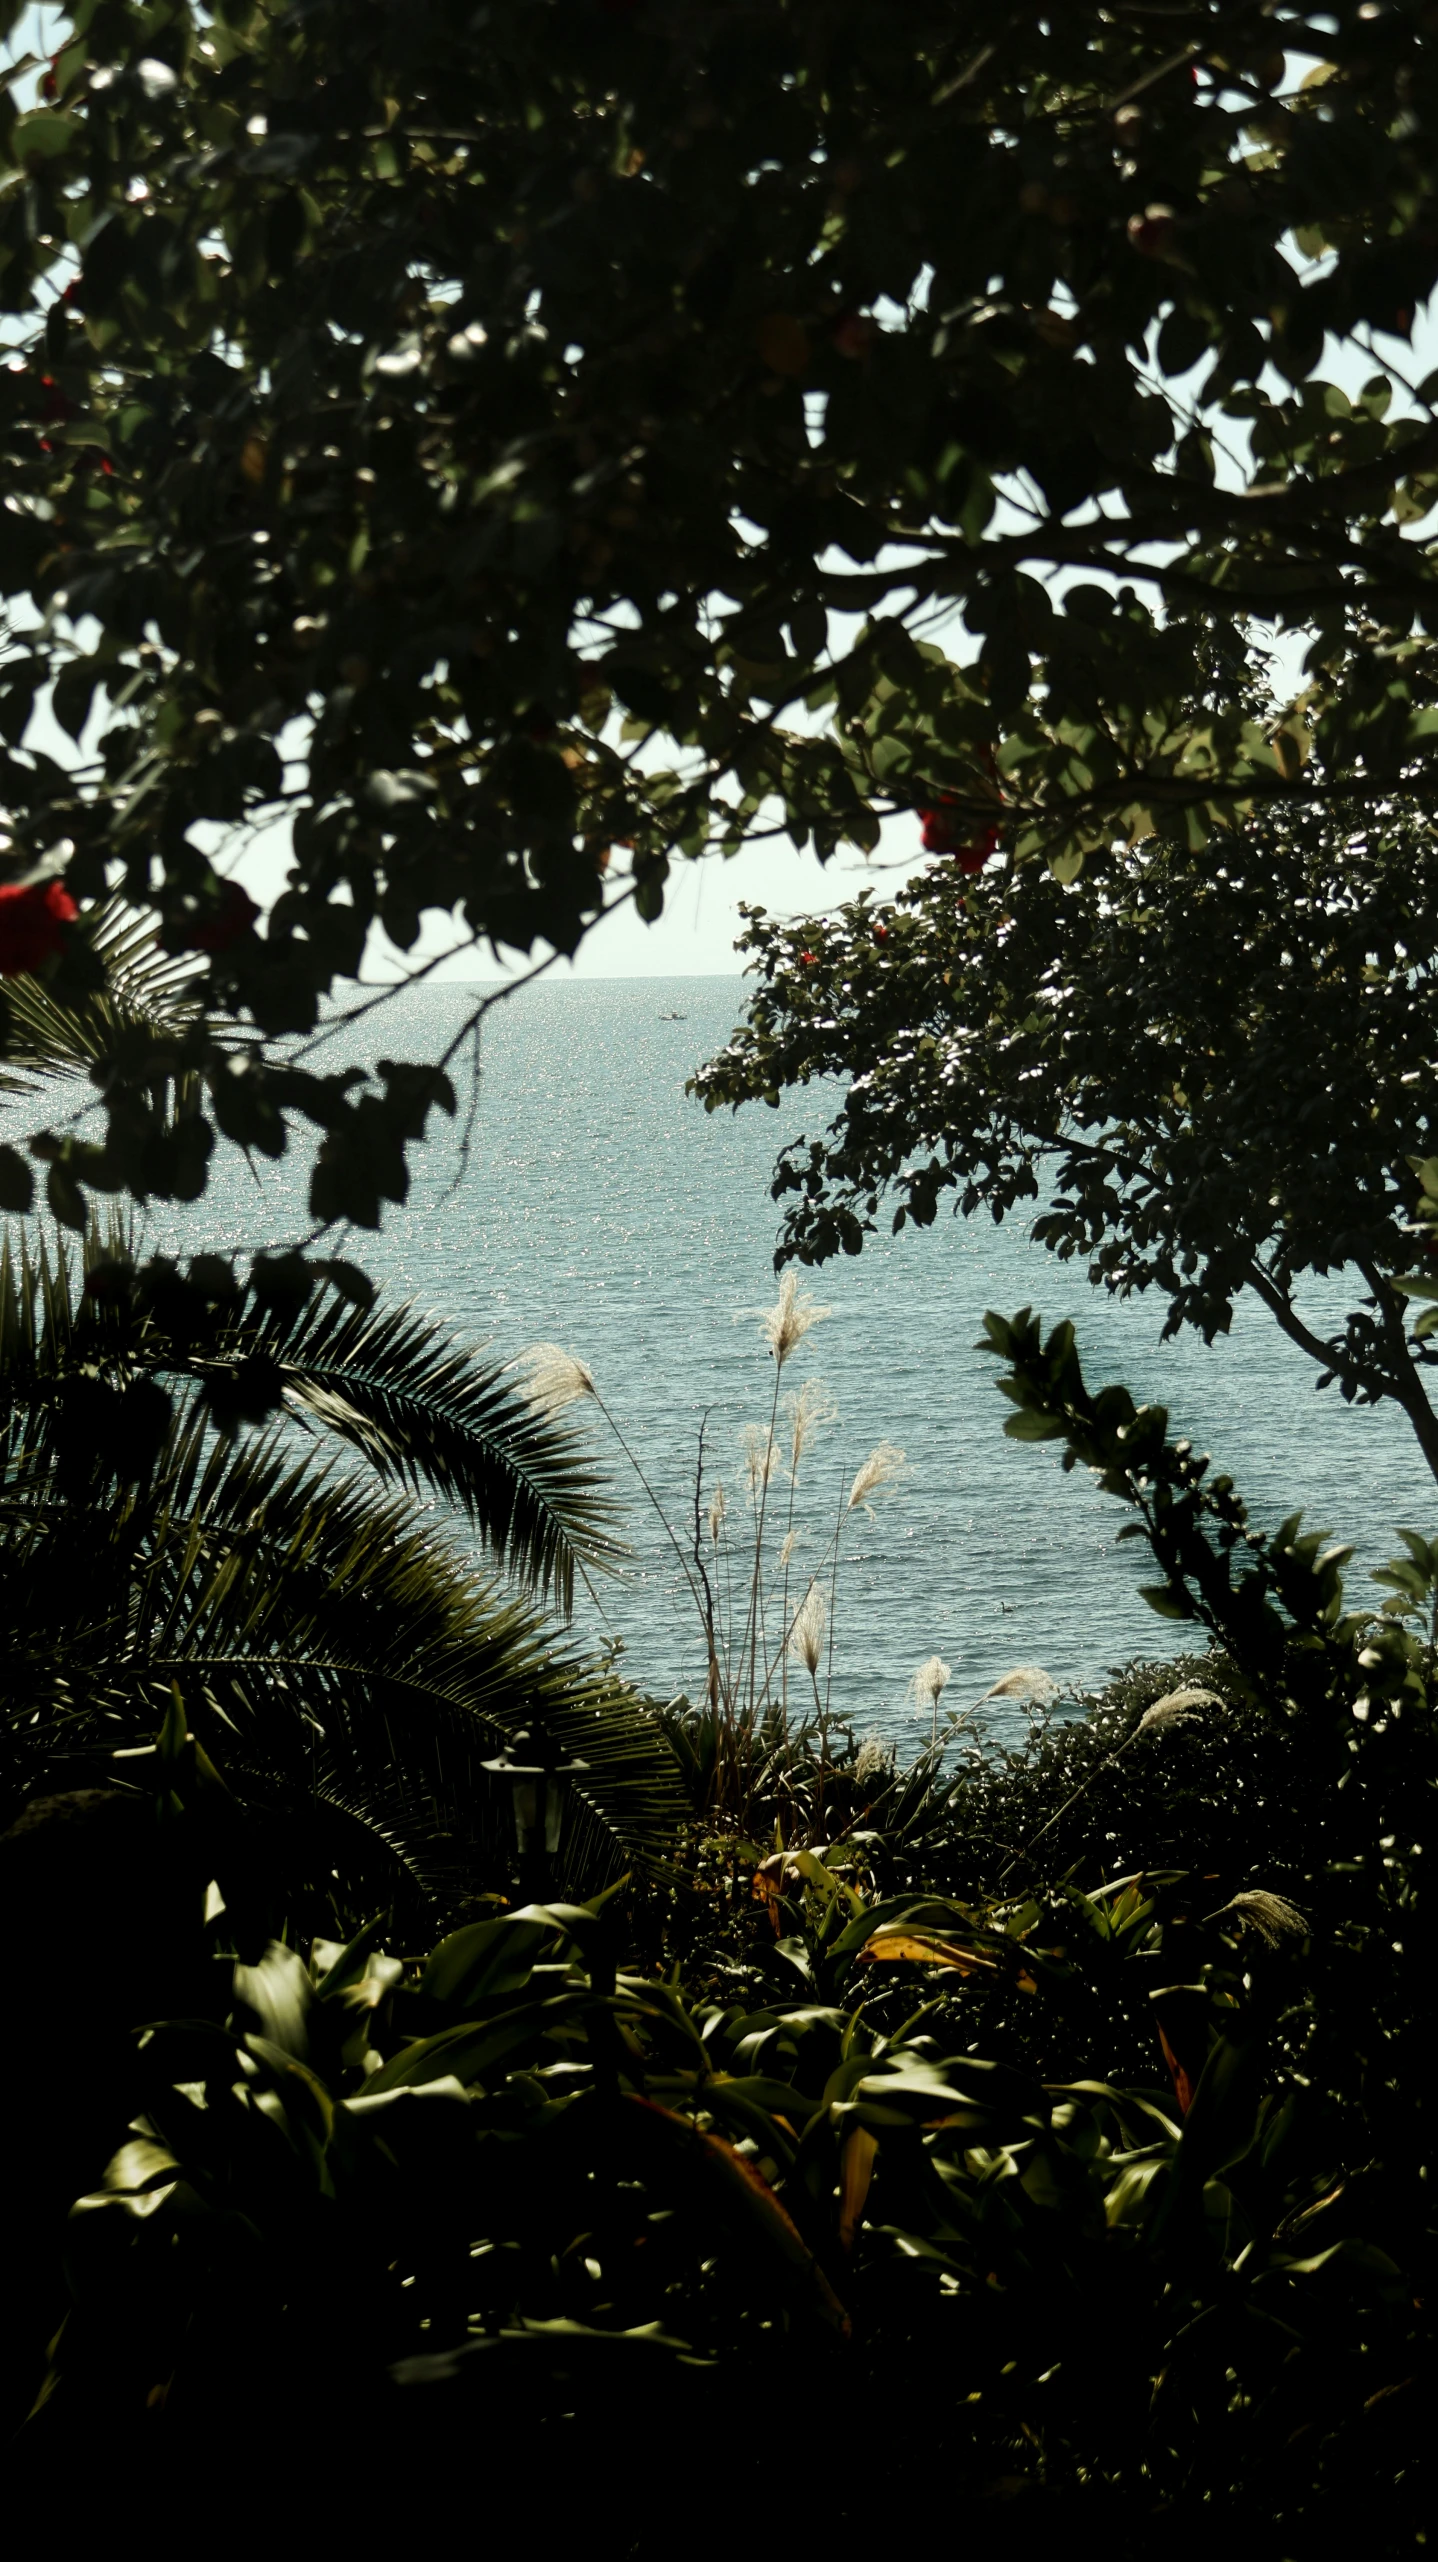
point(603, 1210)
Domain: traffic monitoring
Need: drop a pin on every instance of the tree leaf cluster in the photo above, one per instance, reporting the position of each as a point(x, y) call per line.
point(1197, 1071)
point(470, 443)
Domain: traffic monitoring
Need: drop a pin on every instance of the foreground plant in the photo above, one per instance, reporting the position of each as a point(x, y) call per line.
point(1114, 2186)
point(331, 1650)
point(523, 2178)
point(762, 1620)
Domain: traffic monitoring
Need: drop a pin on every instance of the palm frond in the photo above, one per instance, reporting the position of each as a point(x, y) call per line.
point(423, 1409)
point(428, 1411)
point(37, 1312)
point(345, 1851)
point(147, 993)
point(312, 1624)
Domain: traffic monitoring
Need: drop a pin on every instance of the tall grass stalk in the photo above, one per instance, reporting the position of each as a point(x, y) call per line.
point(752, 1631)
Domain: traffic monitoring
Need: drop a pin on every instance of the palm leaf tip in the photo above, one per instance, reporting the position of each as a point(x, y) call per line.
point(427, 1411)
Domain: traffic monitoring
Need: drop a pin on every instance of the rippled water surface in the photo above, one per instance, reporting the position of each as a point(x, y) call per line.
point(603, 1210)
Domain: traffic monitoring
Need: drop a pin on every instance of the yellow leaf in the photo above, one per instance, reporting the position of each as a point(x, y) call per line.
point(736, 2183)
point(894, 1946)
point(252, 460)
point(856, 2170)
point(1290, 751)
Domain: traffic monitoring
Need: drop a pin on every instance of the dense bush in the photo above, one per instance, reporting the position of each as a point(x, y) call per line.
point(1060, 2114)
point(522, 2184)
point(1081, 1785)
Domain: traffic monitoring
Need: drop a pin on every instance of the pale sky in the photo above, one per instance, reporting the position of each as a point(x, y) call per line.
point(694, 938)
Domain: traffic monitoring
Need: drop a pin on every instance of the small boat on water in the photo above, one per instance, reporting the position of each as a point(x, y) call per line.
point(673, 1018)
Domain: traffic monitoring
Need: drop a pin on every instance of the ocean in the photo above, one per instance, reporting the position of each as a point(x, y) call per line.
point(601, 1209)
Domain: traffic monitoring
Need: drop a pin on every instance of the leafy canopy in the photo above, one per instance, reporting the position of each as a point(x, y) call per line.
point(473, 443)
point(1216, 1063)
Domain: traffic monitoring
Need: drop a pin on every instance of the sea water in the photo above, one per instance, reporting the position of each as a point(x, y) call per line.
point(602, 1209)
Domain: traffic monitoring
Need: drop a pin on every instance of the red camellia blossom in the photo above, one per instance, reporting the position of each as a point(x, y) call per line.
point(32, 923)
point(807, 959)
point(972, 858)
point(943, 833)
point(881, 934)
point(234, 913)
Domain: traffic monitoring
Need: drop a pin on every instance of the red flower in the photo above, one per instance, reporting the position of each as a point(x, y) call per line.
point(944, 834)
point(972, 858)
point(31, 924)
point(881, 934)
point(233, 915)
point(807, 959)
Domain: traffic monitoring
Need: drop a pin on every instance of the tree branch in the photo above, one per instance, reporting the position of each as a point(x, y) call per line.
point(1410, 1392)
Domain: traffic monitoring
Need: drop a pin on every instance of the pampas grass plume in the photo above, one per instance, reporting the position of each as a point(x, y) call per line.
point(1272, 1916)
point(555, 1378)
point(761, 1452)
point(877, 1474)
point(806, 1636)
point(929, 1683)
point(1176, 1708)
point(806, 1411)
point(785, 1325)
point(1026, 1681)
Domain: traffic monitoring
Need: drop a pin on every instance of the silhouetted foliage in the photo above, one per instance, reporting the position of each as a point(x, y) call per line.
point(414, 416)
